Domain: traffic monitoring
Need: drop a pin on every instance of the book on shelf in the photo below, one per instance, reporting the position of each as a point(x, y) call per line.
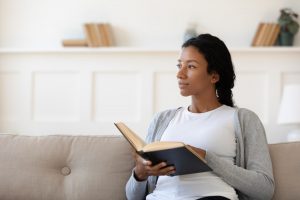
point(274, 34)
point(97, 40)
point(98, 34)
point(74, 43)
point(102, 34)
point(185, 159)
point(108, 34)
point(257, 36)
point(105, 33)
point(89, 35)
point(266, 34)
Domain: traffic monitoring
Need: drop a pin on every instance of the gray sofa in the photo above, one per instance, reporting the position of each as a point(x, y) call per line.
point(97, 167)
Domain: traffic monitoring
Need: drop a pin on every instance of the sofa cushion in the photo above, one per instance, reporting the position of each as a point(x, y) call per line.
point(286, 168)
point(64, 167)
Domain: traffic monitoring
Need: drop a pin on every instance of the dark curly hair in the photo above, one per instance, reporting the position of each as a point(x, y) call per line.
point(219, 61)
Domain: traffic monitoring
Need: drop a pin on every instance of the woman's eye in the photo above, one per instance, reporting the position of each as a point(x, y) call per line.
point(191, 66)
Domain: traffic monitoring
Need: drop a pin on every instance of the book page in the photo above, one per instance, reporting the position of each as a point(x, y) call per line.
point(156, 146)
point(132, 138)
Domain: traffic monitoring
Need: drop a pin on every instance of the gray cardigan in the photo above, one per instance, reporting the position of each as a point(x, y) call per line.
point(252, 174)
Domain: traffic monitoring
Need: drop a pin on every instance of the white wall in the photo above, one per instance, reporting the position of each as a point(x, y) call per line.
point(44, 23)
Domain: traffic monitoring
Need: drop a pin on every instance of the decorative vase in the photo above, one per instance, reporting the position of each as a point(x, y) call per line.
point(285, 39)
point(190, 32)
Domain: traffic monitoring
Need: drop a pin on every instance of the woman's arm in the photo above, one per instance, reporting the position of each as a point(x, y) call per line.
point(256, 180)
point(136, 186)
point(137, 190)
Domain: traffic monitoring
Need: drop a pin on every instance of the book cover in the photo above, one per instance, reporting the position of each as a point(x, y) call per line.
point(256, 36)
point(184, 161)
point(177, 154)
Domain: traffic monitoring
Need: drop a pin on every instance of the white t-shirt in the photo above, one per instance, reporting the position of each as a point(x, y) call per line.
point(212, 131)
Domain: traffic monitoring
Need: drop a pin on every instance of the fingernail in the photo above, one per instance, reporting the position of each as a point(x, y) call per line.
point(144, 162)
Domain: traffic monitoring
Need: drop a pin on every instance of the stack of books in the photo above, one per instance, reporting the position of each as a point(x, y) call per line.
point(96, 35)
point(266, 34)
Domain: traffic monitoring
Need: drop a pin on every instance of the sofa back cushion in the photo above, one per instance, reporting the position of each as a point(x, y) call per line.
point(286, 168)
point(64, 167)
point(97, 167)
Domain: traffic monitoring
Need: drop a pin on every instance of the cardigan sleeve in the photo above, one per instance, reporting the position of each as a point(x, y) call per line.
point(255, 180)
point(137, 190)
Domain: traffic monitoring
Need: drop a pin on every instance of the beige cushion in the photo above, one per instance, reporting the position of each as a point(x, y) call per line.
point(63, 167)
point(286, 169)
point(97, 167)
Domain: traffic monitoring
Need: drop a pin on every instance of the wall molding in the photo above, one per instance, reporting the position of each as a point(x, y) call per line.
point(137, 81)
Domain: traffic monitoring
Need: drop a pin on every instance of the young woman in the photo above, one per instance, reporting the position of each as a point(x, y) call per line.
point(232, 140)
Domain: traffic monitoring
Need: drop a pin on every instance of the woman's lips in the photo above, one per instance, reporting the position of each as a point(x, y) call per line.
point(182, 85)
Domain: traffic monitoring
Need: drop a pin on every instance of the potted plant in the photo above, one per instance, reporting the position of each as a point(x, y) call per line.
point(288, 27)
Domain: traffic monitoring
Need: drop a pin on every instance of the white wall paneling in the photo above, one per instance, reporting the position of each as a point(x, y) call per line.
point(10, 95)
point(117, 94)
point(83, 91)
point(56, 96)
point(251, 91)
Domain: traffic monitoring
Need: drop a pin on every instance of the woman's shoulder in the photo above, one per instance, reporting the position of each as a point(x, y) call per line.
point(246, 113)
point(167, 113)
point(247, 116)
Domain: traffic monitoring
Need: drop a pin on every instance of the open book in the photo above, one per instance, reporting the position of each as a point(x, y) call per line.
point(183, 157)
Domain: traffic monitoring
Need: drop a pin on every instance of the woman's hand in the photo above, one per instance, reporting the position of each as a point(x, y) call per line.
point(144, 168)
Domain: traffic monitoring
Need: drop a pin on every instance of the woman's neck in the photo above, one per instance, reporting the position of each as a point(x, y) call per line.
point(200, 105)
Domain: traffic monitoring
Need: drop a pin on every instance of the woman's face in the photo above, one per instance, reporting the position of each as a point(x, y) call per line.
point(193, 78)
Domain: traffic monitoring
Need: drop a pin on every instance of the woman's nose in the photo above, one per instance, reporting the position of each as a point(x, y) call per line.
point(181, 74)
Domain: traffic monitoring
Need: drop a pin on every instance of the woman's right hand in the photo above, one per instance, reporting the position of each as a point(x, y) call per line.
point(144, 168)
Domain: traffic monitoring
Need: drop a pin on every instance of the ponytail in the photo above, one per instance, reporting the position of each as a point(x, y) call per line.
point(225, 96)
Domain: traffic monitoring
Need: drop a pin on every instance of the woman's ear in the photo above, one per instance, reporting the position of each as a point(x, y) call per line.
point(215, 77)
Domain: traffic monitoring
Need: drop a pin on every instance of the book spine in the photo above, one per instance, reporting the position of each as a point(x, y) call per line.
point(275, 35)
point(103, 34)
point(96, 35)
point(257, 34)
point(88, 35)
point(74, 43)
point(107, 29)
point(266, 34)
point(260, 36)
